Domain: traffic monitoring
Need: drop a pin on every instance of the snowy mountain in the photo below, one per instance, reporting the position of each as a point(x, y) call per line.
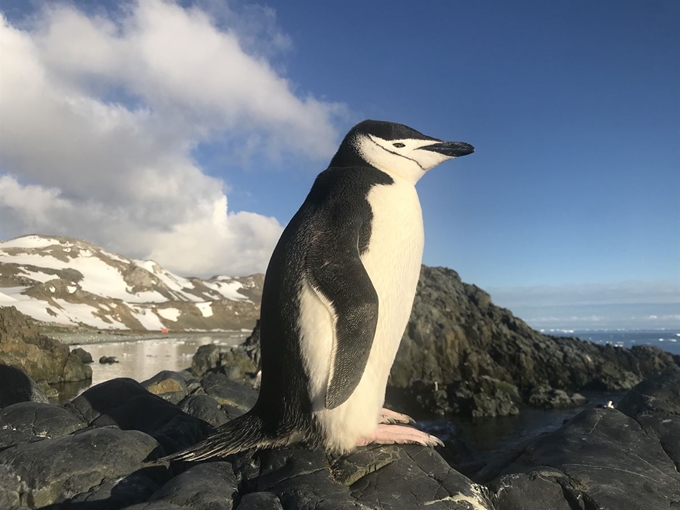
point(73, 282)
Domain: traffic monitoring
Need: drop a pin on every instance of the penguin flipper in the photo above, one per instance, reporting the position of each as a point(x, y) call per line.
point(336, 271)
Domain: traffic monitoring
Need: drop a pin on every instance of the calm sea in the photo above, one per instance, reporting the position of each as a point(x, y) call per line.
point(666, 339)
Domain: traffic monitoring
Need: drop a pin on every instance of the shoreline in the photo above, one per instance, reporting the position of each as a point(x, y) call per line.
point(104, 337)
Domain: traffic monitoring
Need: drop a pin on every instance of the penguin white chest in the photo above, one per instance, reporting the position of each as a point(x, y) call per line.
point(392, 261)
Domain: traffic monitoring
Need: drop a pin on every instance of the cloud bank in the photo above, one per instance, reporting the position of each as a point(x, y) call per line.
point(634, 304)
point(100, 115)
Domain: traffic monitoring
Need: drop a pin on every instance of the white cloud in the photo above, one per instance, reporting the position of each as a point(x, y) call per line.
point(100, 114)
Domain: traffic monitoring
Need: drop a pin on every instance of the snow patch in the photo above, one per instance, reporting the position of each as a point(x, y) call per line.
point(205, 309)
point(170, 314)
point(29, 242)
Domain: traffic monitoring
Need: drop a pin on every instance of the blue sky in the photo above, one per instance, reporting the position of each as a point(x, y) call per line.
point(573, 108)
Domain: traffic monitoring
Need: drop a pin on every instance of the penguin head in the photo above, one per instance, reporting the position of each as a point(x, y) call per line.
point(396, 149)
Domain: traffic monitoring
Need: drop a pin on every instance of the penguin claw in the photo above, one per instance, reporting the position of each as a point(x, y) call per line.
point(390, 417)
point(398, 434)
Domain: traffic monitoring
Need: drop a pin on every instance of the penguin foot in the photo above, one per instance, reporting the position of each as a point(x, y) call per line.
point(398, 434)
point(391, 417)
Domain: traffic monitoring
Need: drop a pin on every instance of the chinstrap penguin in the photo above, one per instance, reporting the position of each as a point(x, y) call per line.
point(337, 297)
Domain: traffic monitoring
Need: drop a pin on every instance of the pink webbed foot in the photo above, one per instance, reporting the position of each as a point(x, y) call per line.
point(390, 417)
point(398, 434)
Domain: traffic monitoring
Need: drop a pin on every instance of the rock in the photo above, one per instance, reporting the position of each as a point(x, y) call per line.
point(655, 405)
point(234, 362)
point(28, 421)
point(207, 357)
point(228, 392)
point(260, 501)
point(56, 470)
point(456, 336)
point(251, 346)
point(18, 387)
point(168, 385)
point(82, 354)
point(601, 458)
point(108, 360)
point(549, 398)
point(380, 477)
point(126, 404)
point(206, 408)
point(209, 486)
point(43, 359)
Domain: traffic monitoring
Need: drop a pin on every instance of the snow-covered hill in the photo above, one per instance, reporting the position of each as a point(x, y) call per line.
point(73, 282)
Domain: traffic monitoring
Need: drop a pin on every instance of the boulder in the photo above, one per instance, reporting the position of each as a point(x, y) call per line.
point(82, 354)
point(56, 470)
point(18, 387)
point(43, 359)
point(601, 458)
point(108, 360)
point(168, 385)
point(126, 404)
point(228, 392)
point(30, 421)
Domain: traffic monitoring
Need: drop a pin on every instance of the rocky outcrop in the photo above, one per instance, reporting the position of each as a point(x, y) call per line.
point(475, 358)
point(99, 452)
point(623, 458)
point(44, 359)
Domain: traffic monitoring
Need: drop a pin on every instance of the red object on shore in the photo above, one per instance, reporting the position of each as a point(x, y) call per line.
point(164, 330)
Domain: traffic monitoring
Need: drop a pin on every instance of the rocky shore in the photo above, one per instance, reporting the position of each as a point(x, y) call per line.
point(97, 452)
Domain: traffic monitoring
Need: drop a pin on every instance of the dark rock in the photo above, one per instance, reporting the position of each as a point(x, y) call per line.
point(600, 459)
point(56, 470)
point(251, 346)
point(168, 385)
point(18, 387)
point(456, 336)
point(108, 360)
point(381, 477)
point(549, 398)
point(126, 404)
point(234, 362)
point(229, 392)
point(43, 359)
point(260, 501)
point(28, 421)
point(207, 357)
point(82, 354)
point(655, 405)
point(206, 408)
point(209, 486)
point(116, 493)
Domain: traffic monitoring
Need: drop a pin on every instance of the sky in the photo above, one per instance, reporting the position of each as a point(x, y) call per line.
point(190, 132)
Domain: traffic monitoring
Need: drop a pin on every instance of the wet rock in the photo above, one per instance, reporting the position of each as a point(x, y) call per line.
point(126, 404)
point(82, 354)
point(29, 421)
point(108, 360)
point(18, 387)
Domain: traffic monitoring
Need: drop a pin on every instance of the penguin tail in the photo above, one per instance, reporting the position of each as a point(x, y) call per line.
point(237, 435)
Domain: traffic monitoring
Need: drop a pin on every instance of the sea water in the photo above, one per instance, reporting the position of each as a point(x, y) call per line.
point(666, 339)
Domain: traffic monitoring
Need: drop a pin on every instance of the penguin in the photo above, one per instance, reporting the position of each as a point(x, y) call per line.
point(336, 300)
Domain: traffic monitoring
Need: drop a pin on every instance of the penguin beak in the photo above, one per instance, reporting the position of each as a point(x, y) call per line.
point(451, 149)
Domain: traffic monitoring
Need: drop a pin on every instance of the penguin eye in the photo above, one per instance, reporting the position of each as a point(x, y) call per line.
point(399, 145)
